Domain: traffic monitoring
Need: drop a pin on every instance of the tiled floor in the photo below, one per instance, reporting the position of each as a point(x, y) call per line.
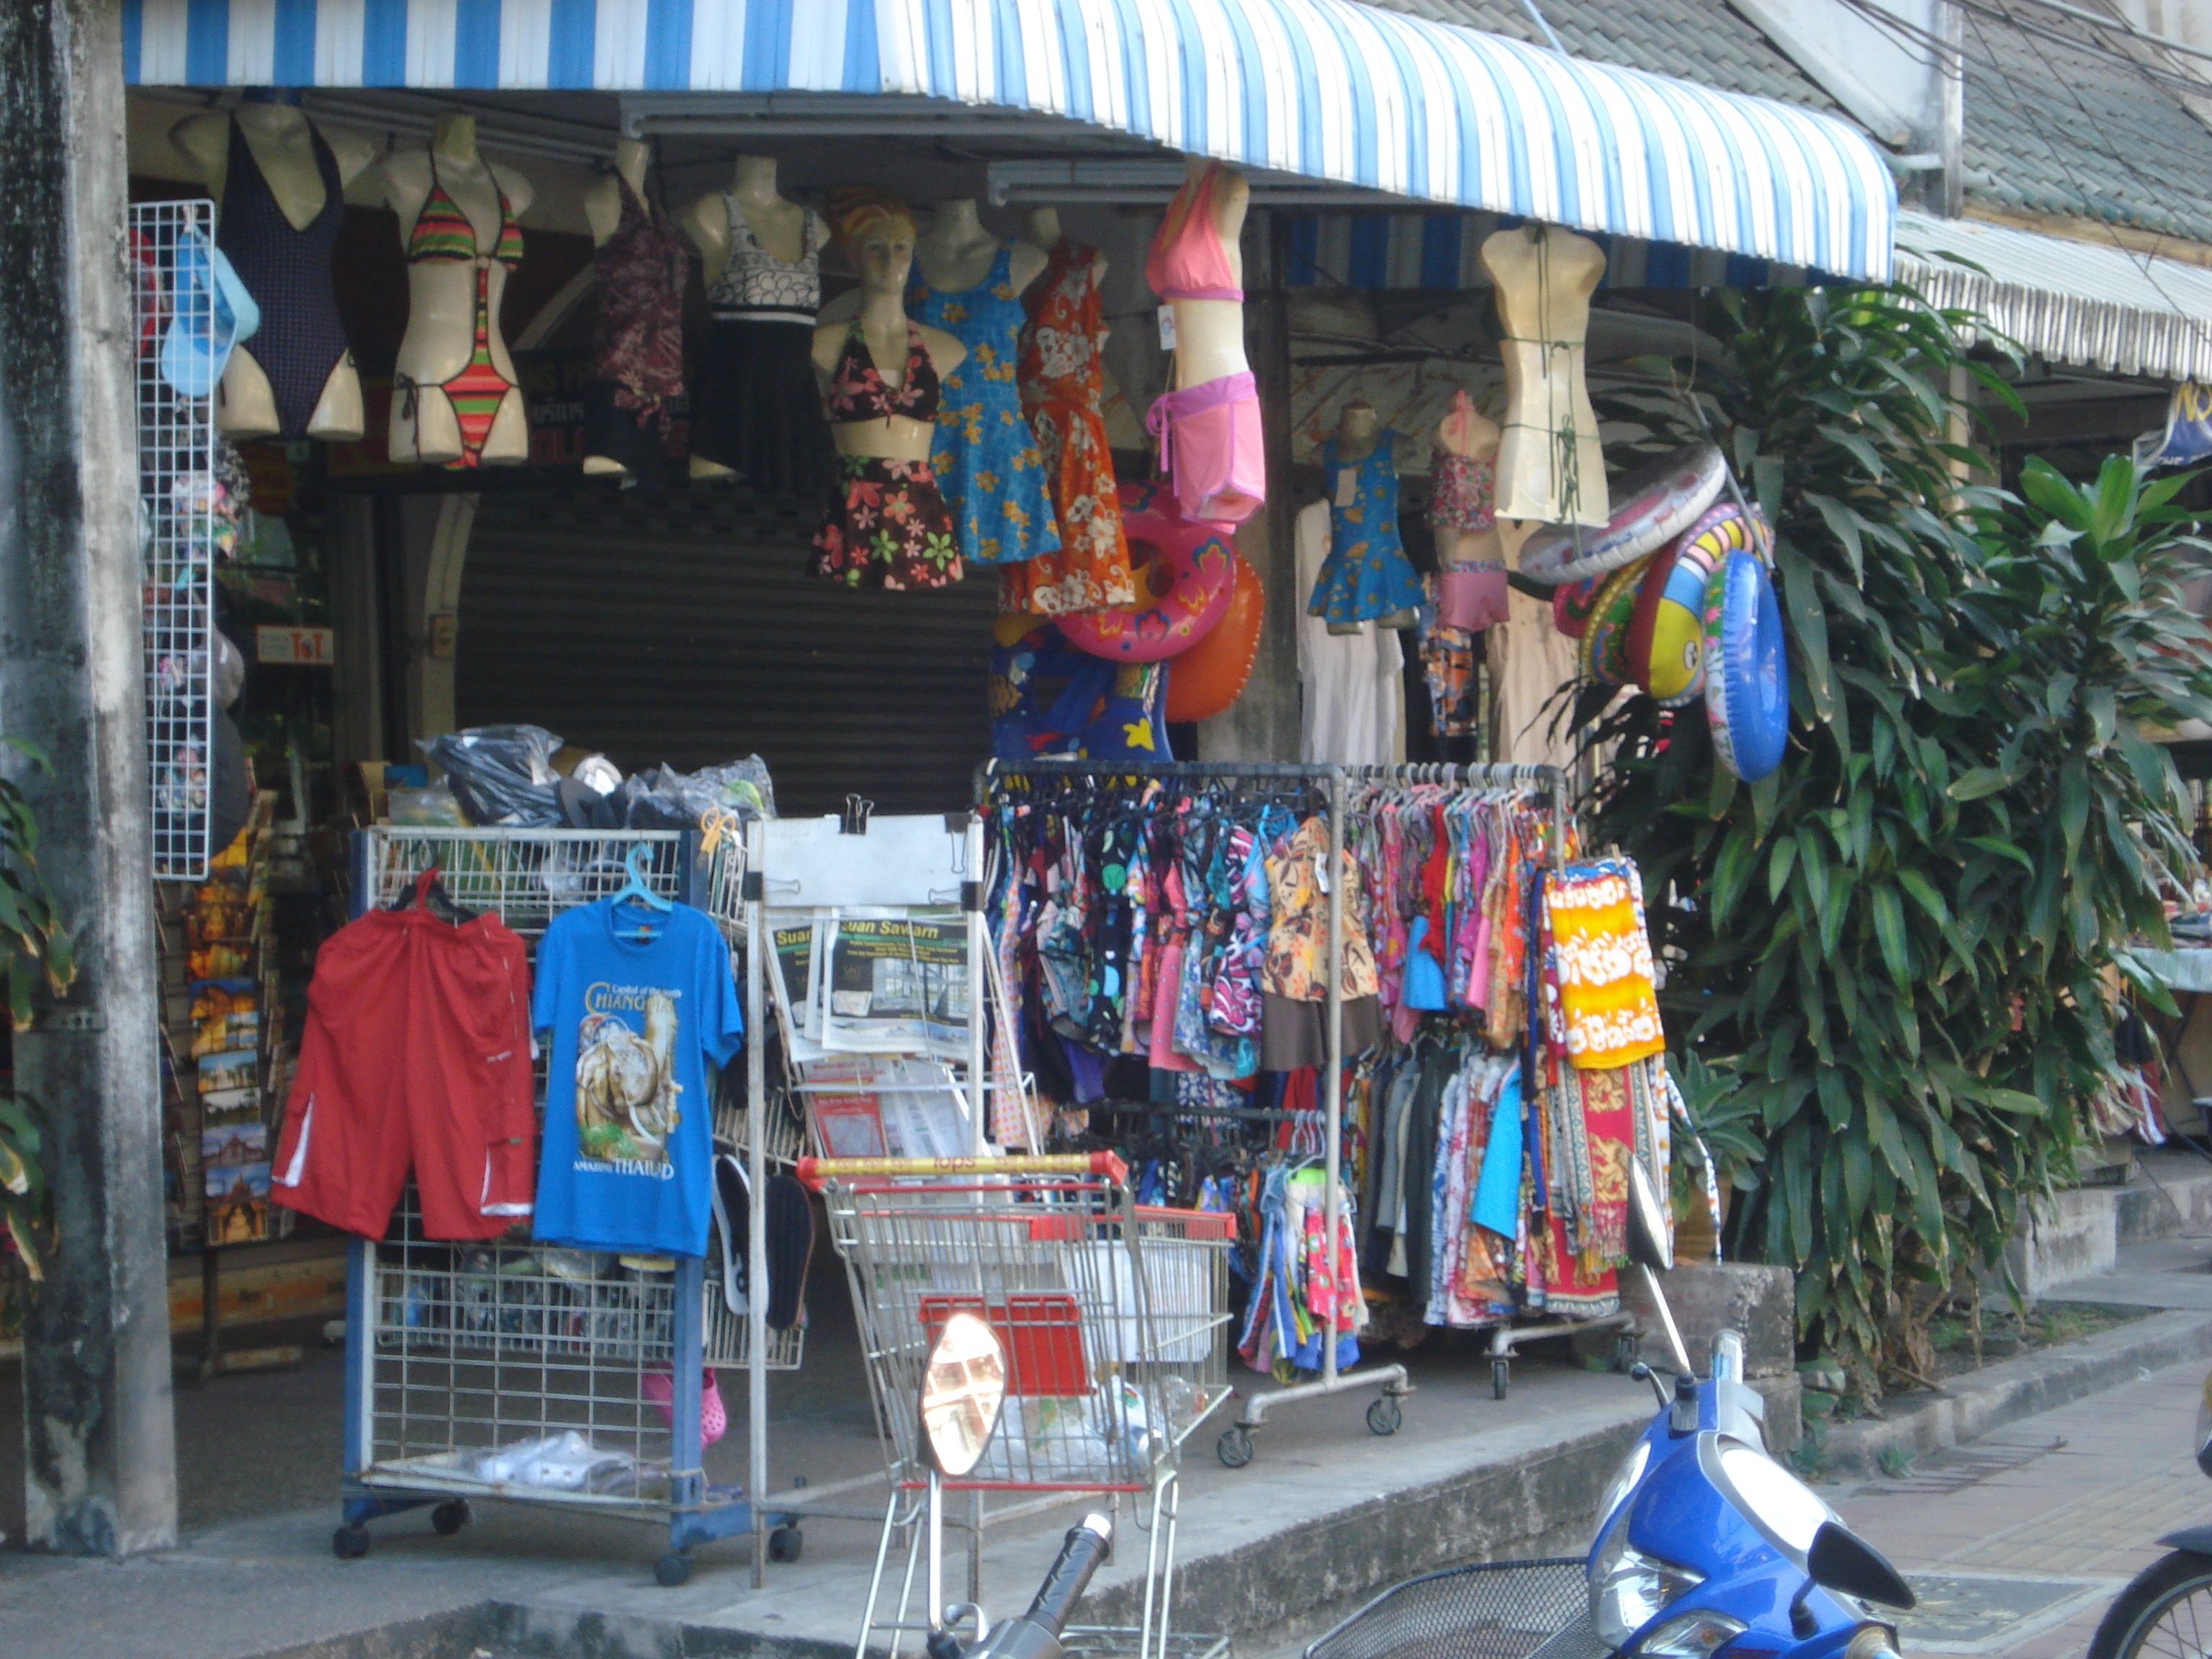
point(2024, 1537)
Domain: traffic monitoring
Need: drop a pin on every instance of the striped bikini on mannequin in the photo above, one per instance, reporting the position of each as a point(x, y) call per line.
point(443, 233)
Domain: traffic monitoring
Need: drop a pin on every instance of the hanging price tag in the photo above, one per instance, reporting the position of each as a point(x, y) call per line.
point(1167, 328)
point(1347, 486)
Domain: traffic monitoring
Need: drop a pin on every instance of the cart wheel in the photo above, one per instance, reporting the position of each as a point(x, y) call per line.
point(786, 1544)
point(1625, 1349)
point(1234, 1448)
point(1384, 1415)
point(1501, 1377)
point(450, 1517)
point(672, 1569)
point(350, 1542)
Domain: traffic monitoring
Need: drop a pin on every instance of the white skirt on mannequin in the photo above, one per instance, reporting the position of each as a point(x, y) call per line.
point(1353, 689)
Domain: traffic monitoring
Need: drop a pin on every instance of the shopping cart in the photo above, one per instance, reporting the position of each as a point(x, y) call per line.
point(1113, 1315)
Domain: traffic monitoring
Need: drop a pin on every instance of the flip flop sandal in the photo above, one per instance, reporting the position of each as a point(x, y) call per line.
point(732, 1200)
point(790, 1248)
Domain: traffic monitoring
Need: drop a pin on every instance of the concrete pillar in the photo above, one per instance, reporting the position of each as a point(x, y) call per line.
point(1263, 725)
point(99, 1450)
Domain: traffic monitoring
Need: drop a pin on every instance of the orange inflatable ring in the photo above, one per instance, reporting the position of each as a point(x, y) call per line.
point(1209, 677)
point(1184, 584)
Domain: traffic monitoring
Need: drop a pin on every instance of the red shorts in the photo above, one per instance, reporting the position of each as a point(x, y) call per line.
point(416, 1053)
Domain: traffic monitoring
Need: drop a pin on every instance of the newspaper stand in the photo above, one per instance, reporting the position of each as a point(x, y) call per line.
point(1113, 1315)
point(457, 1351)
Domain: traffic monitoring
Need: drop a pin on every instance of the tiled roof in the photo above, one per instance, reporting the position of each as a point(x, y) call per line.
point(2057, 130)
point(1699, 40)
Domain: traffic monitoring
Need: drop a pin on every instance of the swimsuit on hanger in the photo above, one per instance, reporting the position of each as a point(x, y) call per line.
point(986, 458)
point(301, 339)
point(756, 409)
point(1366, 574)
point(1209, 434)
point(443, 235)
point(1059, 377)
point(884, 525)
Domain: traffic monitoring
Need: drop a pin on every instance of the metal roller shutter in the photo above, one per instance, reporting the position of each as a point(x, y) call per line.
point(682, 626)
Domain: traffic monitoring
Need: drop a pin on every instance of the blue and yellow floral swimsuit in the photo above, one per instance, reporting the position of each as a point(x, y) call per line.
point(1366, 574)
point(988, 467)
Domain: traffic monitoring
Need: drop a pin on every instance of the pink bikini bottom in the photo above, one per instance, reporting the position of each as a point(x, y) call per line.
point(1471, 596)
point(1210, 448)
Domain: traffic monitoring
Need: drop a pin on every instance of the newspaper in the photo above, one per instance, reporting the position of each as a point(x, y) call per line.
point(892, 984)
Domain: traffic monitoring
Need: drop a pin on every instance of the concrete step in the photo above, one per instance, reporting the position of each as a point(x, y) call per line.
point(2077, 1233)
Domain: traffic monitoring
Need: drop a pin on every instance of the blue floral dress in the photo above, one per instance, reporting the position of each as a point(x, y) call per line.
point(988, 466)
point(1367, 574)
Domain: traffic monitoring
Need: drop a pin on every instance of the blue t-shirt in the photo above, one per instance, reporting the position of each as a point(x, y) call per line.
point(628, 1145)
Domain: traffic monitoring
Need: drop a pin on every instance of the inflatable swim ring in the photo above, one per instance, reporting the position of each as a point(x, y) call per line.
point(1571, 603)
point(1604, 652)
point(1666, 640)
point(1208, 677)
point(1188, 580)
point(1747, 683)
point(1651, 507)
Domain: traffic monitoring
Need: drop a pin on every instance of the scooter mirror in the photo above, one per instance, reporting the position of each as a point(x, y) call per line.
point(1839, 1559)
point(1647, 1223)
point(963, 1387)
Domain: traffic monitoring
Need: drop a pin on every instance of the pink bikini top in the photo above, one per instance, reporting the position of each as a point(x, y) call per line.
point(1189, 261)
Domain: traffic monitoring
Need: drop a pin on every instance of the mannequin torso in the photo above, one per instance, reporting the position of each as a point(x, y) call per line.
point(1356, 429)
point(1209, 333)
point(448, 297)
point(957, 252)
point(1545, 279)
point(1044, 231)
point(885, 259)
point(282, 143)
point(1466, 433)
point(603, 202)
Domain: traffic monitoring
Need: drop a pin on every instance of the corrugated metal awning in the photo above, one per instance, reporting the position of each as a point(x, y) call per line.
point(1323, 89)
point(2092, 305)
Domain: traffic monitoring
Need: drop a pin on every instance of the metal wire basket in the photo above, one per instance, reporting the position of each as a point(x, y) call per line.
point(1493, 1610)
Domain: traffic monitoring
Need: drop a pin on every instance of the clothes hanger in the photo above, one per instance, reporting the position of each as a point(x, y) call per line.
point(634, 891)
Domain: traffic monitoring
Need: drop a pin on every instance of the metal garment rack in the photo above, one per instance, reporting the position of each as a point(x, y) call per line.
point(1331, 780)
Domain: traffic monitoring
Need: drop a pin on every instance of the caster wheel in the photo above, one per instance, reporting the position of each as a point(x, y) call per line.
point(672, 1569)
point(349, 1543)
point(1234, 1448)
point(786, 1544)
point(450, 1518)
point(1384, 1415)
point(1501, 1377)
point(1625, 1350)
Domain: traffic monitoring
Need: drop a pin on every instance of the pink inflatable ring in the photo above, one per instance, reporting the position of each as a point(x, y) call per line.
point(1184, 587)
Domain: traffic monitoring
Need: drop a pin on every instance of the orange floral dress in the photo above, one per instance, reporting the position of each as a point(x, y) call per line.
point(1057, 370)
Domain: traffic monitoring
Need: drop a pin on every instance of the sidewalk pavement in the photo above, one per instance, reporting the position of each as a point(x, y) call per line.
point(2019, 1541)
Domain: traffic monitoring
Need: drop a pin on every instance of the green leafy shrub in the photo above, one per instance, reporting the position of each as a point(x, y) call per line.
point(35, 947)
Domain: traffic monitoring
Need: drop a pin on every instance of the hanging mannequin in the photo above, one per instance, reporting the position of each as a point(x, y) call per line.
point(1470, 587)
point(1545, 279)
point(278, 238)
point(1366, 577)
point(455, 399)
point(753, 410)
point(1045, 232)
point(637, 345)
point(886, 525)
point(1209, 425)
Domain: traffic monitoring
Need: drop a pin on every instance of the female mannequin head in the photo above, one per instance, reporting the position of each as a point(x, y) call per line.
point(876, 233)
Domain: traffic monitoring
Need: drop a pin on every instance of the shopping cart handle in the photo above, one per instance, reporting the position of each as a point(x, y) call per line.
point(815, 1171)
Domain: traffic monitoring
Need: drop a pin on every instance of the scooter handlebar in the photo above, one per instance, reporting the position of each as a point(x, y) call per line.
point(1063, 1587)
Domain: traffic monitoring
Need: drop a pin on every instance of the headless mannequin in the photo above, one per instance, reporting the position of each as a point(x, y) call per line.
point(280, 139)
point(777, 224)
point(442, 296)
point(603, 206)
point(1045, 232)
point(1210, 333)
point(1465, 431)
point(1545, 279)
point(883, 256)
point(957, 252)
point(1358, 429)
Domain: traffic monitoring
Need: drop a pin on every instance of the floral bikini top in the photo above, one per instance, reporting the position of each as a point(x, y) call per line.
point(857, 389)
point(1461, 490)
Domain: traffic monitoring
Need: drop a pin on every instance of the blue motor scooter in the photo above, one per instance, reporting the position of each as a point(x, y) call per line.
point(1706, 1547)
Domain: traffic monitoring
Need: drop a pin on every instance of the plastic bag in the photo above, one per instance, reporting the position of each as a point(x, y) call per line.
point(500, 774)
point(433, 807)
point(741, 786)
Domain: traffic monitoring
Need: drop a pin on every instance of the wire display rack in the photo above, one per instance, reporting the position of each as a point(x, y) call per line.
point(516, 1371)
point(1113, 1316)
point(170, 245)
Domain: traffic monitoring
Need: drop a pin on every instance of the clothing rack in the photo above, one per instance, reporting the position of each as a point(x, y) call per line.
point(1330, 781)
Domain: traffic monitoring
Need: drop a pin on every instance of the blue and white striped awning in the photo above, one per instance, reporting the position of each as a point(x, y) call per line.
point(1327, 90)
